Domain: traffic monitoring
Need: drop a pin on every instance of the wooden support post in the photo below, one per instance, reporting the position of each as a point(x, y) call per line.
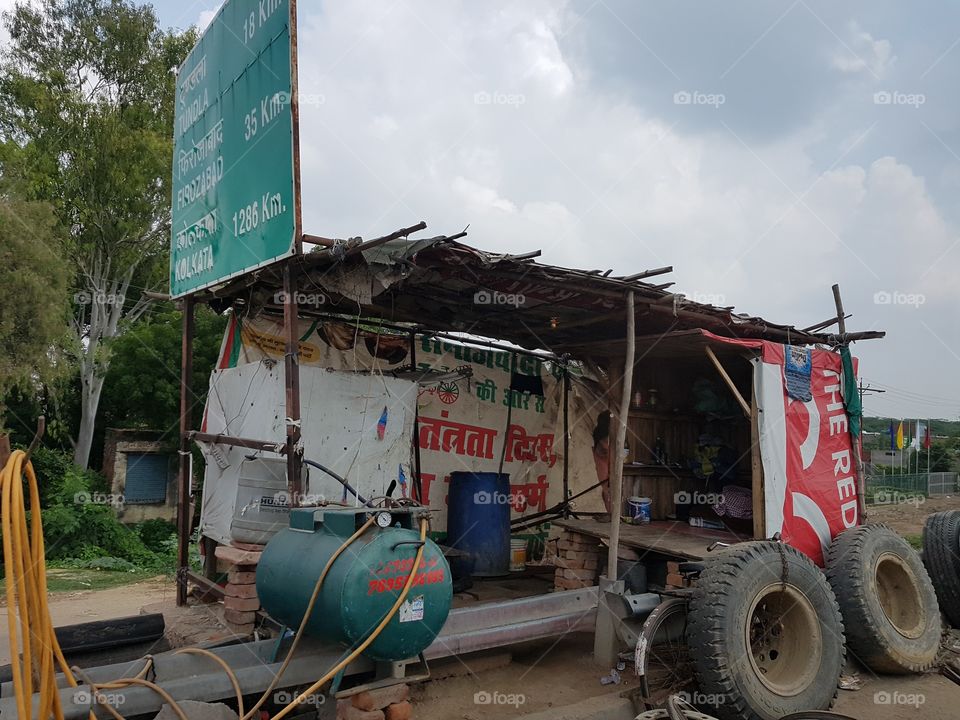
point(605, 642)
point(291, 378)
point(854, 441)
point(756, 466)
point(616, 468)
point(183, 487)
point(726, 378)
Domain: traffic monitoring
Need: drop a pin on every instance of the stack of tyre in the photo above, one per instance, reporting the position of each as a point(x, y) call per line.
point(769, 632)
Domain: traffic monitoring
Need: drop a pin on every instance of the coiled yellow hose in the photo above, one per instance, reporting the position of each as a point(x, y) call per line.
point(26, 590)
point(28, 614)
point(23, 558)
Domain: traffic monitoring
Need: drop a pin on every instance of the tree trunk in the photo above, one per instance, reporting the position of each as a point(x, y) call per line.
point(106, 299)
point(89, 402)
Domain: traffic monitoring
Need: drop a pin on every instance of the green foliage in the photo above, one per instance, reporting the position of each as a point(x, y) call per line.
point(86, 105)
point(142, 389)
point(60, 481)
point(81, 530)
point(156, 534)
point(33, 294)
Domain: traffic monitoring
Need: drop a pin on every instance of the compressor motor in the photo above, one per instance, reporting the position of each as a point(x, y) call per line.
point(363, 583)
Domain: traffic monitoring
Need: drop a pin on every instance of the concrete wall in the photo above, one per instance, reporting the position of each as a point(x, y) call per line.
point(117, 446)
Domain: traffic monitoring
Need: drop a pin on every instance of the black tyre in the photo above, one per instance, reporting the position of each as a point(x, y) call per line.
point(941, 556)
point(765, 633)
point(887, 600)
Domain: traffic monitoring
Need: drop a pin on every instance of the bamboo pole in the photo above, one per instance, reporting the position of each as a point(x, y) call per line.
point(616, 468)
point(854, 441)
point(744, 405)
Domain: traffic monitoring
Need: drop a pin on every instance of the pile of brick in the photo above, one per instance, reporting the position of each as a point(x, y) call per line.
point(674, 578)
point(389, 703)
point(577, 561)
point(240, 594)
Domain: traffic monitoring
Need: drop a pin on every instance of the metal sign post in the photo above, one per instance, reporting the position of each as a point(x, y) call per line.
point(235, 203)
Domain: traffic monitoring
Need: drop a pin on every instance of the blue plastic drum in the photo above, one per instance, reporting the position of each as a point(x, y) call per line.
point(478, 520)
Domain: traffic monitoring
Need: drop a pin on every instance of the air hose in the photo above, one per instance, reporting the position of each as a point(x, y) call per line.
point(370, 638)
point(24, 560)
point(26, 590)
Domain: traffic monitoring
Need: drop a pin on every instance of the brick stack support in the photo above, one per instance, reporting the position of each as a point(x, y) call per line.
point(240, 599)
point(389, 703)
point(577, 561)
point(674, 578)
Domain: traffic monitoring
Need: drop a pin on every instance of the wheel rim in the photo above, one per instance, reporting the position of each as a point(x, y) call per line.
point(668, 667)
point(784, 639)
point(899, 595)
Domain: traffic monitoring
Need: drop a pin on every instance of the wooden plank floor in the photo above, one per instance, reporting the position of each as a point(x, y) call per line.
point(669, 537)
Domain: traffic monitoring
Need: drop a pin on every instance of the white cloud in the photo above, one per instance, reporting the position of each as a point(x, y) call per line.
point(863, 53)
point(544, 158)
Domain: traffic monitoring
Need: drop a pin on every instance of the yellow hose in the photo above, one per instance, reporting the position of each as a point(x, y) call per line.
point(28, 614)
point(370, 638)
point(31, 628)
point(226, 668)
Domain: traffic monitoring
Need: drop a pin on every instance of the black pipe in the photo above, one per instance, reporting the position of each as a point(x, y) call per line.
point(342, 481)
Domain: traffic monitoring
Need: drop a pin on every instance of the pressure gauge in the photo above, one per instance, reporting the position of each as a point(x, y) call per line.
point(384, 519)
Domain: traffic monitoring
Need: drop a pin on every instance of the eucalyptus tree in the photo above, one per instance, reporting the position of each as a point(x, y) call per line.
point(86, 119)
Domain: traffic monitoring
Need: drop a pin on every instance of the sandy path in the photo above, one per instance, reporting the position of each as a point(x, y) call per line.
point(86, 605)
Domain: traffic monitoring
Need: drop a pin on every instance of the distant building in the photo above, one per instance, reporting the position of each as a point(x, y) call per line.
point(141, 469)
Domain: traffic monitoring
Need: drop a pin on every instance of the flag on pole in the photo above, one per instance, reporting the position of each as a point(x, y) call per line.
point(900, 436)
point(918, 437)
point(893, 436)
point(926, 437)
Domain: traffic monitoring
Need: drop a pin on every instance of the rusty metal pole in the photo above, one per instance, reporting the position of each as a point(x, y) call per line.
point(183, 488)
point(291, 378)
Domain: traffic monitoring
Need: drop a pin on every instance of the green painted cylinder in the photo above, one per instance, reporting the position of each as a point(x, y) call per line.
point(362, 585)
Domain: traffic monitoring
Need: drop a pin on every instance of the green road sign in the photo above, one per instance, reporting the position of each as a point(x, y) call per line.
point(234, 204)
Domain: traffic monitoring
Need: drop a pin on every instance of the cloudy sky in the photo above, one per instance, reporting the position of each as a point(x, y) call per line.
point(764, 149)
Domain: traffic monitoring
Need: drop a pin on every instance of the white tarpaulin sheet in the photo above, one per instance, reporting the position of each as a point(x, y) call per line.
point(341, 415)
point(462, 422)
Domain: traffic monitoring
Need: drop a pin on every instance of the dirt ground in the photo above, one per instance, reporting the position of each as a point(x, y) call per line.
point(539, 676)
point(546, 676)
point(908, 515)
point(68, 608)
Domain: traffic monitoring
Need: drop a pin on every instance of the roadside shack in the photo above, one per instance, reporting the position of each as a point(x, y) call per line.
point(420, 359)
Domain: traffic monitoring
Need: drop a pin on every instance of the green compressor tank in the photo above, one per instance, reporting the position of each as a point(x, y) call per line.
point(363, 583)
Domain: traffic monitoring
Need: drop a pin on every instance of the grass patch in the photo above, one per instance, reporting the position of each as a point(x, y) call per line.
point(915, 540)
point(73, 579)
